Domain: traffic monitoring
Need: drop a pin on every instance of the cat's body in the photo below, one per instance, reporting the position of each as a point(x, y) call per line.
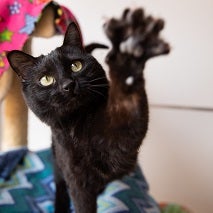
point(97, 126)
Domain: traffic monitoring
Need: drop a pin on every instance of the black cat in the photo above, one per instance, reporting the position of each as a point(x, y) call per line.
point(97, 125)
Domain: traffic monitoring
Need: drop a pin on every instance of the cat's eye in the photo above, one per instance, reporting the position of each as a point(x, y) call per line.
point(76, 66)
point(47, 80)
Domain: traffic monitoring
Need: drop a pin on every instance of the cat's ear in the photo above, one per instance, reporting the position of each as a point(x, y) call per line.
point(20, 62)
point(73, 36)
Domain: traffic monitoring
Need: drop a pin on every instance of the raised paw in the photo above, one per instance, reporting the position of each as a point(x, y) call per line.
point(136, 34)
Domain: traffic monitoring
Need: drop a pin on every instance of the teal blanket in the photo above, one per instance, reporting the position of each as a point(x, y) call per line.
point(27, 186)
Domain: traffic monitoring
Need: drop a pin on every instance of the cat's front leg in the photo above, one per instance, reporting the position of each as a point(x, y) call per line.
point(135, 38)
point(83, 200)
point(62, 200)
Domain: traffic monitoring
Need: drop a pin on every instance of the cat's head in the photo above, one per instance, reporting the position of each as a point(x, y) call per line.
point(63, 81)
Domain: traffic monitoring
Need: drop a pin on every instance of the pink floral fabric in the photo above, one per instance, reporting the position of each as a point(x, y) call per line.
point(17, 22)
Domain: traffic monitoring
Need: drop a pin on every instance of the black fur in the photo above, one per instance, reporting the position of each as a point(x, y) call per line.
point(97, 126)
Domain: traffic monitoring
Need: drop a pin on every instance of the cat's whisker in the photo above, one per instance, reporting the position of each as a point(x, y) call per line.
point(97, 92)
point(97, 79)
point(99, 85)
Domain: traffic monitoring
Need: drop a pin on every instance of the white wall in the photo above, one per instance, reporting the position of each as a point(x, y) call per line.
point(177, 153)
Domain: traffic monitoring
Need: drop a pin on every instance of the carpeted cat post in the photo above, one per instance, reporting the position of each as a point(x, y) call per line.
point(19, 22)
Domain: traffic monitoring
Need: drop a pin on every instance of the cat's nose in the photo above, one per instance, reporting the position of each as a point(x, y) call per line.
point(67, 85)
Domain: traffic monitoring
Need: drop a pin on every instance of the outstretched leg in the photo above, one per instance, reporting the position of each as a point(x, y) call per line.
point(135, 38)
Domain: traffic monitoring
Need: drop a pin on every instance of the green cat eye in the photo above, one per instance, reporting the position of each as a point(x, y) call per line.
point(47, 80)
point(76, 66)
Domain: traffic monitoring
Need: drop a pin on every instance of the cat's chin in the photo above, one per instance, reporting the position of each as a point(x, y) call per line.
point(64, 107)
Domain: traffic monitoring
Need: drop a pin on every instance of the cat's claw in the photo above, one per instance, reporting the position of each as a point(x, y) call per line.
point(136, 34)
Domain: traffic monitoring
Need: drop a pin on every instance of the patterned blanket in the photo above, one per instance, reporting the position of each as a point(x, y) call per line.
point(27, 186)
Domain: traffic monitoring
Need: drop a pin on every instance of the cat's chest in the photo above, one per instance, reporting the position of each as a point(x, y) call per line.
point(71, 147)
point(73, 155)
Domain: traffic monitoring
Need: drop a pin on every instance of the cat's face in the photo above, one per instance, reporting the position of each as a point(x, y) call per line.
point(63, 81)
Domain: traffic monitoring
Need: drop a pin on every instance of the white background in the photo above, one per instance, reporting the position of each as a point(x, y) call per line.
point(177, 153)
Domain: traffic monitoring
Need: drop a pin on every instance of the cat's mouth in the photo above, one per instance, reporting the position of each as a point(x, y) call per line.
point(70, 101)
point(65, 102)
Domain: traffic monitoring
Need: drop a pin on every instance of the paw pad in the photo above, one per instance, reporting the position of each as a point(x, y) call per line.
point(129, 80)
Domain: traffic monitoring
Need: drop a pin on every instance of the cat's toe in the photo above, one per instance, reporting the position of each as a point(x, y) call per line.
point(135, 18)
point(115, 30)
point(159, 48)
